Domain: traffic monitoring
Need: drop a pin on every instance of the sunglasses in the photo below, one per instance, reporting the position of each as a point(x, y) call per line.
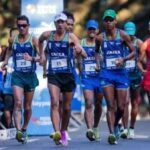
point(109, 20)
point(91, 28)
point(22, 25)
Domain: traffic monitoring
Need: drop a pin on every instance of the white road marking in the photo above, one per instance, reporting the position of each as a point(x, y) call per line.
point(32, 140)
point(141, 136)
point(3, 148)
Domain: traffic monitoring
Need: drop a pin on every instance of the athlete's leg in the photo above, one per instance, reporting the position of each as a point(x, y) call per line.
point(8, 111)
point(121, 103)
point(148, 94)
point(60, 106)
point(88, 114)
point(98, 109)
point(18, 95)
point(66, 110)
point(125, 117)
point(110, 100)
point(135, 101)
point(54, 94)
point(97, 114)
point(28, 96)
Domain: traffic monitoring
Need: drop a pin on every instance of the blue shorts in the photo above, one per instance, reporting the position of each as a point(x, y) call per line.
point(117, 78)
point(92, 84)
point(135, 79)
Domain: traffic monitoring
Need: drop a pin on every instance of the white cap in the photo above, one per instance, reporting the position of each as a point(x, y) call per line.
point(60, 16)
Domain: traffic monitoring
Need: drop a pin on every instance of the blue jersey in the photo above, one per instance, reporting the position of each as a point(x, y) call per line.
point(7, 84)
point(111, 51)
point(59, 54)
point(1, 81)
point(131, 65)
point(89, 63)
point(20, 64)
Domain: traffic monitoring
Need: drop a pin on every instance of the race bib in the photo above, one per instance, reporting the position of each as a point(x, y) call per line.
point(111, 62)
point(130, 64)
point(23, 63)
point(90, 67)
point(58, 63)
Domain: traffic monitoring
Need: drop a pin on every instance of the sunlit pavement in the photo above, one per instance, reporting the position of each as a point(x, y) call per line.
point(80, 142)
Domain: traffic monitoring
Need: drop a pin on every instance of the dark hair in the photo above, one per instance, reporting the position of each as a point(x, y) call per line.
point(11, 30)
point(69, 15)
point(23, 17)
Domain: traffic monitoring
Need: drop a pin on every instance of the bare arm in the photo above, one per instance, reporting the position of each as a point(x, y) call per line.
point(141, 56)
point(129, 44)
point(35, 44)
point(45, 65)
point(44, 36)
point(97, 51)
point(8, 54)
point(77, 47)
point(31, 58)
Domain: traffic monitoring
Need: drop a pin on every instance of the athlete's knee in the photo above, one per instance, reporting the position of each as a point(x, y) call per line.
point(135, 104)
point(121, 109)
point(111, 107)
point(54, 105)
point(17, 105)
point(27, 106)
point(88, 105)
point(66, 110)
point(67, 106)
point(28, 109)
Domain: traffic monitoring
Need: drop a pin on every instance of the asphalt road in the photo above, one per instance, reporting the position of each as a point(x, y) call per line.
point(80, 142)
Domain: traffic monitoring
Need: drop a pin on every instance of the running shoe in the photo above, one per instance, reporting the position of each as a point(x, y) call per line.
point(90, 135)
point(131, 134)
point(24, 137)
point(120, 126)
point(117, 132)
point(112, 139)
point(51, 135)
point(124, 134)
point(64, 140)
point(68, 137)
point(57, 138)
point(96, 134)
point(19, 136)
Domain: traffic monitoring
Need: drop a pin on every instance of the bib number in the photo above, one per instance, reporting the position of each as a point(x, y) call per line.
point(111, 62)
point(23, 63)
point(58, 63)
point(130, 64)
point(90, 67)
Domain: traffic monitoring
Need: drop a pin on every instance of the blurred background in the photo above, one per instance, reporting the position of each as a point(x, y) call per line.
point(137, 11)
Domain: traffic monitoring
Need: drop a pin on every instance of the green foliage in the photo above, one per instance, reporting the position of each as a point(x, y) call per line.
point(138, 11)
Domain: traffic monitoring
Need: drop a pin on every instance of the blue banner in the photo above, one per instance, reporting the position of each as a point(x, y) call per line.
point(41, 14)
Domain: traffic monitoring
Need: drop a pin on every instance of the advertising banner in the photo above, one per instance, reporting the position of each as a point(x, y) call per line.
point(41, 14)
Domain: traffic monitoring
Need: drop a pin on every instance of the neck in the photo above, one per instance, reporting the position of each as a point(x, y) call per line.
point(60, 32)
point(132, 38)
point(59, 35)
point(111, 32)
point(91, 39)
point(22, 37)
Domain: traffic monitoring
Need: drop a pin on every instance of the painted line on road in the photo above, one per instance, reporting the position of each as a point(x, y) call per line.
point(3, 148)
point(141, 136)
point(33, 140)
